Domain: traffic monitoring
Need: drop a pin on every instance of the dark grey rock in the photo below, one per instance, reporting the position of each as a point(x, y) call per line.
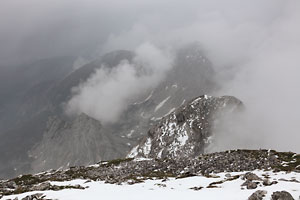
point(42, 186)
point(251, 177)
point(38, 196)
point(282, 195)
point(258, 195)
point(249, 184)
point(267, 182)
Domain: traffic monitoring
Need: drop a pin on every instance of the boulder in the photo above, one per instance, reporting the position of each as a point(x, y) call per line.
point(258, 195)
point(282, 195)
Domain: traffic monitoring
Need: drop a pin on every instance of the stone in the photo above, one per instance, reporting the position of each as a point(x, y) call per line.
point(267, 182)
point(37, 196)
point(251, 177)
point(42, 186)
point(282, 195)
point(258, 195)
point(250, 185)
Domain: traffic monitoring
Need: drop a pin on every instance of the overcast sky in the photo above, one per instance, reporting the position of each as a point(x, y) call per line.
point(259, 40)
point(35, 29)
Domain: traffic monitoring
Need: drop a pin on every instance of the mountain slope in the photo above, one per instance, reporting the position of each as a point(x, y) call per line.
point(143, 112)
point(186, 131)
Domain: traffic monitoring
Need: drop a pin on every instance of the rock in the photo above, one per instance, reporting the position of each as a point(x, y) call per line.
point(196, 188)
point(251, 177)
point(11, 185)
point(250, 184)
point(283, 195)
point(227, 175)
point(258, 195)
point(267, 182)
point(38, 196)
point(42, 186)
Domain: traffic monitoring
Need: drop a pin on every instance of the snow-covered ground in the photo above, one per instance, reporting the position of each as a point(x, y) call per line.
point(174, 188)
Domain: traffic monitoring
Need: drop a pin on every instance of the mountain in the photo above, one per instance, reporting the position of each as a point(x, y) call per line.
point(34, 94)
point(188, 130)
point(82, 140)
point(45, 131)
point(134, 123)
point(24, 108)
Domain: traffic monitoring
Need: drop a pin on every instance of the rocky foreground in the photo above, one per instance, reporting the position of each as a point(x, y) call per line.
point(131, 171)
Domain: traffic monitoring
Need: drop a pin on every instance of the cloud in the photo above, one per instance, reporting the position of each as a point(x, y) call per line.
point(253, 45)
point(108, 92)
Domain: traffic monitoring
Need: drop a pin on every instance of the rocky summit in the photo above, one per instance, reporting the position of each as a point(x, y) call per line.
point(186, 131)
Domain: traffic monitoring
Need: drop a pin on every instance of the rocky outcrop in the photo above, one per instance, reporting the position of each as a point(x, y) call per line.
point(186, 131)
point(137, 170)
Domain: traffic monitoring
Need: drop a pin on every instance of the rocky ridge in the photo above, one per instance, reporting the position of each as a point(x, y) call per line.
point(187, 131)
point(138, 170)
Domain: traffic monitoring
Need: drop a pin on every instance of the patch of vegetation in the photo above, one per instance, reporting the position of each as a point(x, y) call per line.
point(159, 175)
point(291, 161)
point(26, 180)
point(214, 184)
point(116, 162)
point(185, 175)
point(233, 178)
point(252, 153)
point(79, 173)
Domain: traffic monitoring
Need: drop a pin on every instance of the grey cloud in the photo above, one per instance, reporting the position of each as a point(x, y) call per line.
point(254, 46)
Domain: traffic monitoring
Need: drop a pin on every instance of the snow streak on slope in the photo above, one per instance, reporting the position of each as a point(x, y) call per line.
point(174, 188)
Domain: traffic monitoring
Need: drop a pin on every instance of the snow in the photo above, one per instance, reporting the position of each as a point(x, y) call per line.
point(130, 133)
point(174, 86)
point(159, 154)
point(147, 146)
point(145, 100)
point(183, 138)
point(182, 102)
point(171, 188)
point(142, 159)
point(172, 110)
point(161, 104)
point(133, 152)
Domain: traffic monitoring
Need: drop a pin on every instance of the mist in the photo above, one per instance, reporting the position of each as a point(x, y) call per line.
point(254, 47)
point(108, 92)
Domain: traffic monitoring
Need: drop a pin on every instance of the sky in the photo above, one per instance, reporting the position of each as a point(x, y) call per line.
point(253, 45)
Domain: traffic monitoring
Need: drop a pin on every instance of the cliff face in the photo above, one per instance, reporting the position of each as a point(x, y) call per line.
point(186, 132)
point(81, 141)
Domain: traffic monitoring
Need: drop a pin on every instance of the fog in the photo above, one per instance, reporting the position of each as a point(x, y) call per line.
point(106, 94)
point(253, 45)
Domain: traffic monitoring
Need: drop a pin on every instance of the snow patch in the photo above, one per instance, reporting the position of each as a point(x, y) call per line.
point(134, 152)
point(172, 188)
point(161, 103)
point(147, 146)
point(145, 100)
